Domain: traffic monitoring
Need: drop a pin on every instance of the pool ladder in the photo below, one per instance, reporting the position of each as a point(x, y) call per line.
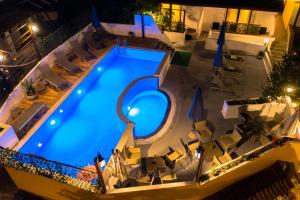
point(118, 42)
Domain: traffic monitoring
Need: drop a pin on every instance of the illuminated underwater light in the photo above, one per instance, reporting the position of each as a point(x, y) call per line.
point(40, 144)
point(134, 112)
point(61, 110)
point(128, 108)
point(99, 69)
point(52, 122)
point(79, 91)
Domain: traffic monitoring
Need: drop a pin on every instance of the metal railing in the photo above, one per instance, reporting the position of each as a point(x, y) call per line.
point(252, 155)
point(83, 178)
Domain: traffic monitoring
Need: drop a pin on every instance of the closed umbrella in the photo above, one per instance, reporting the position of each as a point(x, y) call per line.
point(291, 123)
point(94, 18)
point(196, 109)
point(220, 42)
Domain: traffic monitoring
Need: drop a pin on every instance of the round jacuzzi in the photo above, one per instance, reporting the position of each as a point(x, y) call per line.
point(148, 111)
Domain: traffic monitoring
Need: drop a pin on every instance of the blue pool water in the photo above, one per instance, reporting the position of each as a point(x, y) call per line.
point(87, 121)
point(147, 110)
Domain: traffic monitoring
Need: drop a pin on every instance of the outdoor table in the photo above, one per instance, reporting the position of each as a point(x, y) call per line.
point(150, 164)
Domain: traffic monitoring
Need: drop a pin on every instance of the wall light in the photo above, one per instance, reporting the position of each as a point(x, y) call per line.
point(34, 28)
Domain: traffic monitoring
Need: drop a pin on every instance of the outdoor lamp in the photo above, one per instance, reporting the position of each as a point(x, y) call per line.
point(101, 160)
point(34, 28)
point(266, 40)
point(289, 90)
point(2, 57)
point(294, 104)
point(198, 152)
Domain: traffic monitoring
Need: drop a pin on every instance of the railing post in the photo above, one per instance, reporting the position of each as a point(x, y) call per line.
point(100, 179)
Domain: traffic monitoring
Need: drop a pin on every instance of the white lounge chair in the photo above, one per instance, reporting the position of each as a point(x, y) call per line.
point(23, 122)
point(62, 61)
point(79, 51)
point(52, 78)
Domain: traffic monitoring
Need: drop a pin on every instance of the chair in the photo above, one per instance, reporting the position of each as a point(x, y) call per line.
point(174, 154)
point(93, 40)
point(228, 141)
point(191, 147)
point(132, 155)
point(204, 132)
point(23, 122)
point(79, 51)
point(62, 61)
point(219, 160)
point(52, 78)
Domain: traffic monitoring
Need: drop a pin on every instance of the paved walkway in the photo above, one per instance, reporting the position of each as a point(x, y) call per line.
point(182, 82)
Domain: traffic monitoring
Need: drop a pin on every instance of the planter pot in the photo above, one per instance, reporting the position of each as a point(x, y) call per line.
point(231, 108)
point(31, 97)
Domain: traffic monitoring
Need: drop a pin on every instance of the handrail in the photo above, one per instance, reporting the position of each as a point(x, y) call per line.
point(64, 173)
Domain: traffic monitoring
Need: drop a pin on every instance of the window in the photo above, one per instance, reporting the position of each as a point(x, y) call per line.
point(244, 16)
point(232, 15)
point(177, 15)
point(238, 15)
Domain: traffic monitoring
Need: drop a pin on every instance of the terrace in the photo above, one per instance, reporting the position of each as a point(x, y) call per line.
point(180, 83)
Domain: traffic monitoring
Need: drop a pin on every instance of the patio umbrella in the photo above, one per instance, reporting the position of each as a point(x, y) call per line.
point(220, 42)
point(196, 109)
point(291, 122)
point(94, 18)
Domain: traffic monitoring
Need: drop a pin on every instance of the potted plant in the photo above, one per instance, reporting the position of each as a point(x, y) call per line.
point(27, 85)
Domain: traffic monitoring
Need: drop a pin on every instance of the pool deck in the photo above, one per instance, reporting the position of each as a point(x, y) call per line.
point(182, 82)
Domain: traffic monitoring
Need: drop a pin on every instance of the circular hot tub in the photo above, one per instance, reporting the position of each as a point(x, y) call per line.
point(148, 111)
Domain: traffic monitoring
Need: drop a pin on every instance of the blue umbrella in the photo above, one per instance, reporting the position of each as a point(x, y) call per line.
point(196, 109)
point(220, 42)
point(94, 18)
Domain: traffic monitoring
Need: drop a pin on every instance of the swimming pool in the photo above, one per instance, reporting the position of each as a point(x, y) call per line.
point(87, 120)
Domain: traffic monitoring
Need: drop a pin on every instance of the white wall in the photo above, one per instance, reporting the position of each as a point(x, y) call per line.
point(211, 15)
point(289, 13)
point(265, 19)
point(192, 16)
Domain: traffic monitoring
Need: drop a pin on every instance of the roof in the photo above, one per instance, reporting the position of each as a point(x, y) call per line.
point(265, 5)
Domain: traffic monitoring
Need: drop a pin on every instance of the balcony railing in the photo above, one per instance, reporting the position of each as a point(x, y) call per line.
point(83, 178)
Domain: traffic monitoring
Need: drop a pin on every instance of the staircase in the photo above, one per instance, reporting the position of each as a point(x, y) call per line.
point(269, 183)
point(278, 49)
point(279, 46)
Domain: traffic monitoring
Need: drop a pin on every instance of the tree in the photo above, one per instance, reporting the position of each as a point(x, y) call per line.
point(285, 74)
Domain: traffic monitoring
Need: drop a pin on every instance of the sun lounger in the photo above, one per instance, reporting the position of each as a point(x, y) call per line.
point(52, 78)
point(93, 40)
point(79, 51)
point(62, 61)
point(24, 120)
